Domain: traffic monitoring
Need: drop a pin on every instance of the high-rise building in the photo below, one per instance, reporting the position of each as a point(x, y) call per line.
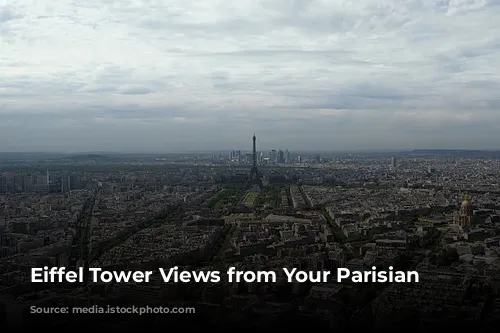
point(75, 182)
point(273, 156)
point(281, 156)
point(3, 185)
point(393, 162)
point(65, 183)
point(27, 183)
point(18, 183)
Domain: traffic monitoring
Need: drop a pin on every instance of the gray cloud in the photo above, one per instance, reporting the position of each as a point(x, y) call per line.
point(7, 14)
point(160, 75)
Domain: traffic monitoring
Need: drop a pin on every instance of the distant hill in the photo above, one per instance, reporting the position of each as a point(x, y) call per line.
point(86, 157)
point(99, 158)
point(454, 152)
point(28, 156)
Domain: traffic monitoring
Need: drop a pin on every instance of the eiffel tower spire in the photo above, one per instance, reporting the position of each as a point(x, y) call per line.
point(255, 177)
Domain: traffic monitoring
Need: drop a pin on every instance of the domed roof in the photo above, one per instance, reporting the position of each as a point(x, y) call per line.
point(466, 202)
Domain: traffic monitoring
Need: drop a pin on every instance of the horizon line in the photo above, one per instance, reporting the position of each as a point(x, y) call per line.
point(211, 151)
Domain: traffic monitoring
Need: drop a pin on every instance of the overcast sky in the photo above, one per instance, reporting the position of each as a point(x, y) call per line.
point(163, 75)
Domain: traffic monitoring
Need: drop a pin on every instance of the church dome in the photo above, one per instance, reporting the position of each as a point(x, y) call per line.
point(466, 208)
point(466, 202)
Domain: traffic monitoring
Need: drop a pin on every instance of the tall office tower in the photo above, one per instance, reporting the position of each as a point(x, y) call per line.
point(393, 162)
point(3, 185)
point(255, 177)
point(273, 156)
point(281, 156)
point(27, 183)
point(65, 183)
point(18, 182)
point(75, 182)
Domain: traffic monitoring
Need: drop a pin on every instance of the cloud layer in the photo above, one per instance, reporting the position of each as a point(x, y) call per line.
point(158, 75)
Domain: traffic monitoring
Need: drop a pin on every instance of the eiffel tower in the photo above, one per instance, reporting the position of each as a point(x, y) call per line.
point(255, 176)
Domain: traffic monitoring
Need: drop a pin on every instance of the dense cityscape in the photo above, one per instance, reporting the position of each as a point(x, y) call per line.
point(435, 212)
point(250, 165)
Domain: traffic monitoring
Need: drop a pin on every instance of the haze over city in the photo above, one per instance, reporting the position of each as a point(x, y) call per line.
point(205, 75)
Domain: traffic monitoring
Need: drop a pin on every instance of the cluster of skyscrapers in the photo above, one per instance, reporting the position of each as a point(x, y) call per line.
point(274, 156)
point(38, 182)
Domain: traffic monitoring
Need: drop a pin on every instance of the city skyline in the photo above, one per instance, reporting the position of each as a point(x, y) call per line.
point(147, 76)
point(245, 149)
